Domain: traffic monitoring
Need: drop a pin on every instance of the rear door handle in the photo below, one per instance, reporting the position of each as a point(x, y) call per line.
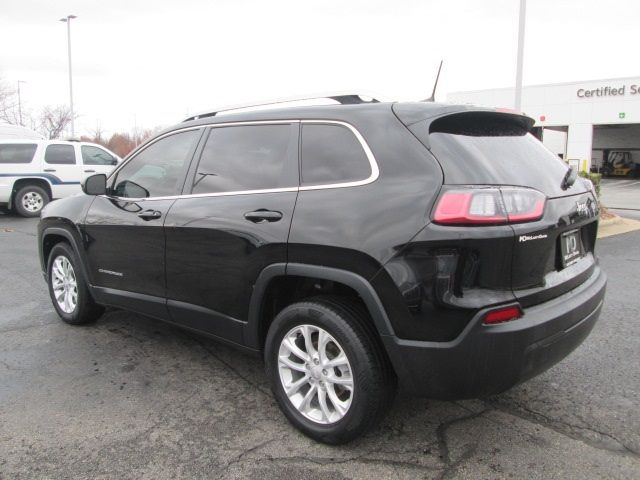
point(49, 169)
point(150, 214)
point(262, 216)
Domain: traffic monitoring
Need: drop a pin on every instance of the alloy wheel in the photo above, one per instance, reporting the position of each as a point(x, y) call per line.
point(316, 374)
point(64, 283)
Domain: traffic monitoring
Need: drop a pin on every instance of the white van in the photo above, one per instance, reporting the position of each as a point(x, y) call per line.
point(34, 172)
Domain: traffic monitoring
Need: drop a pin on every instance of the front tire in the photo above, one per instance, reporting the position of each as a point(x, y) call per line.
point(327, 370)
point(30, 200)
point(68, 289)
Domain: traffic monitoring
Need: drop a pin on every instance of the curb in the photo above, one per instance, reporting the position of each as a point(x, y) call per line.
point(616, 226)
point(616, 219)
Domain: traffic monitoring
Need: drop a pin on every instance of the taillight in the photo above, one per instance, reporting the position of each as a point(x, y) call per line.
point(489, 206)
point(501, 315)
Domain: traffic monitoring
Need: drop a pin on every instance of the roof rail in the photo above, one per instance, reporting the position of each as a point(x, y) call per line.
point(342, 98)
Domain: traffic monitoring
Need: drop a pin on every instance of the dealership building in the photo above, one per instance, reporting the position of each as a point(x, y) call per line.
point(591, 124)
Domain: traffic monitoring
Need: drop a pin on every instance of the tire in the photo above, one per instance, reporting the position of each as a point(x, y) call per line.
point(30, 200)
point(348, 330)
point(64, 274)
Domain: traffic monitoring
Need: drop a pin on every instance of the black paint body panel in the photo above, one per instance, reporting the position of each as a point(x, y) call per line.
point(214, 256)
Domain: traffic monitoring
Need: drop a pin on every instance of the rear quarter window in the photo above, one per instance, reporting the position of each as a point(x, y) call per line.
point(17, 152)
point(332, 154)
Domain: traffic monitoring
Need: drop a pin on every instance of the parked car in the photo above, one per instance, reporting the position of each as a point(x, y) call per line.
point(34, 172)
point(351, 246)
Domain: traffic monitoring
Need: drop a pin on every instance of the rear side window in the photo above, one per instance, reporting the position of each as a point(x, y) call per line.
point(332, 154)
point(17, 152)
point(96, 156)
point(248, 157)
point(60, 155)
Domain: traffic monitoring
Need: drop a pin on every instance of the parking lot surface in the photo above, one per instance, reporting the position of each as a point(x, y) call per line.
point(619, 193)
point(129, 397)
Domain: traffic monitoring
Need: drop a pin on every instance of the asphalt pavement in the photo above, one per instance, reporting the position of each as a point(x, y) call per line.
point(129, 397)
point(621, 195)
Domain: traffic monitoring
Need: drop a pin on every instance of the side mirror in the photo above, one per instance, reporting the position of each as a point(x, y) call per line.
point(95, 184)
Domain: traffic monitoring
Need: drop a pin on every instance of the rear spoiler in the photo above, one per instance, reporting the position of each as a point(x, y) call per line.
point(423, 119)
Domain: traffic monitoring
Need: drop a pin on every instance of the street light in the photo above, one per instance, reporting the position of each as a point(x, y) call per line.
point(20, 102)
point(67, 20)
point(518, 99)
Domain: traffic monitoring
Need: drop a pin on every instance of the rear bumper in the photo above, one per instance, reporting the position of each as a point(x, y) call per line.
point(485, 360)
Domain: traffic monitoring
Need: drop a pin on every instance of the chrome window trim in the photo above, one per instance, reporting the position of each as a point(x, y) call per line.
point(375, 171)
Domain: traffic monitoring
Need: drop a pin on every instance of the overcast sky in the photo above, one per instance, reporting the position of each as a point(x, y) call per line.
point(152, 62)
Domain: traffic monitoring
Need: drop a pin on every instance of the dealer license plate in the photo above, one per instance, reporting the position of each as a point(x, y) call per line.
point(571, 247)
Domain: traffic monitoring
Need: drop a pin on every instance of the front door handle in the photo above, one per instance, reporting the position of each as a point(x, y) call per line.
point(150, 214)
point(89, 171)
point(263, 216)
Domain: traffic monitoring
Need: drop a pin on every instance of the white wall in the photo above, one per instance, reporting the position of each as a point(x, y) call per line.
point(560, 105)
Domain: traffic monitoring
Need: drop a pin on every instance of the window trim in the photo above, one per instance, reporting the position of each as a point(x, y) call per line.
point(375, 171)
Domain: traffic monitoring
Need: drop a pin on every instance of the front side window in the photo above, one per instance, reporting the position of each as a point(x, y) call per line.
point(158, 170)
point(17, 152)
point(248, 157)
point(96, 156)
point(332, 154)
point(60, 155)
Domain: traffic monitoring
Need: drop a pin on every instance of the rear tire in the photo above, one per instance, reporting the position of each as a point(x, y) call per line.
point(335, 396)
point(30, 200)
point(68, 289)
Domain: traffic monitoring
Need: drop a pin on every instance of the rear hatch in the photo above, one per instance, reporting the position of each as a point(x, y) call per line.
point(553, 253)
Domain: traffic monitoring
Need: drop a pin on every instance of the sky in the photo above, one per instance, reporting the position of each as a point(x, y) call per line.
point(144, 64)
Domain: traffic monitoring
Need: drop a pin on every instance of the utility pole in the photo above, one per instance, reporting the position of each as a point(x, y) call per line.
point(20, 103)
point(518, 99)
point(67, 20)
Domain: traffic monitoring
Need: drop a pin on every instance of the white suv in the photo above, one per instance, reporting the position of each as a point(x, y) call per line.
point(34, 172)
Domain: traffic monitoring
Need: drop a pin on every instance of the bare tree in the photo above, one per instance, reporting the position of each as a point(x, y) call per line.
point(8, 104)
point(97, 134)
point(53, 121)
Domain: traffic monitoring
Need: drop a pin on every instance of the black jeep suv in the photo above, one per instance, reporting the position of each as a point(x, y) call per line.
point(351, 245)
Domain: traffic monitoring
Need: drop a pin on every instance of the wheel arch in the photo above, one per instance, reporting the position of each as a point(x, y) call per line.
point(23, 182)
point(259, 319)
point(53, 235)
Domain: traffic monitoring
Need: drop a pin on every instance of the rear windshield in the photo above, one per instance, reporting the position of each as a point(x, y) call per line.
point(494, 149)
point(17, 152)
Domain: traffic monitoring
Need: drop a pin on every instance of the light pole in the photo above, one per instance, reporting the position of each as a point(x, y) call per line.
point(67, 20)
point(20, 102)
point(518, 99)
